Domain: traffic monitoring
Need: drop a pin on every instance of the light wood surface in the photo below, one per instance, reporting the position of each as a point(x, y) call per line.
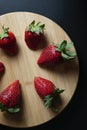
point(24, 68)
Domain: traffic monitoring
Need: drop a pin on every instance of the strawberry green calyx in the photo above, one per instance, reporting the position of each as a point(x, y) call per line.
point(37, 28)
point(50, 99)
point(64, 48)
point(2, 107)
point(13, 110)
point(10, 110)
point(4, 33)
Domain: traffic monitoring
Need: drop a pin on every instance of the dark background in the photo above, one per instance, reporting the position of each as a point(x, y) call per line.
point(71, 16)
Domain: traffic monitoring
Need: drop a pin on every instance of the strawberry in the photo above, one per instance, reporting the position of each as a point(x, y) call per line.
point(2, 68)
point(53, 54)
point(34, 34)
point(46, 90)
point(8, 42)
point(10, 98)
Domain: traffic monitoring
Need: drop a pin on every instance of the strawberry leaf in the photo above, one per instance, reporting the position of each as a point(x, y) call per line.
point(10, 110)
point(13, 110)
point(48, 101)
point(69, 46)
point(63, 45)
point(37, 28)
point(65, 56)
point(3, 35)
point(70, 53)
point(64, 48)
point(31, 25)
point(58, 91)
point(2, 107)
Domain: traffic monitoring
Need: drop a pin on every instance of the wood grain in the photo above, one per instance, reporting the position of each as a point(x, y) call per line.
point(24, 68)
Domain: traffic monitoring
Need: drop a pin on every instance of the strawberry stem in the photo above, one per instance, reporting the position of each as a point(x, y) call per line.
point(5, 30)
point(4, 33)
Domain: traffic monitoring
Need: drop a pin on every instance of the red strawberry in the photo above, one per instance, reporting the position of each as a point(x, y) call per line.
point(46, 90)
point(34, 34)
point(8, 42)
point(10, 98)
point(53, 54)
point(2, 68)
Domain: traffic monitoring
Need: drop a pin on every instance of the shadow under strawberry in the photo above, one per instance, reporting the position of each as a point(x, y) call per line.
point(1, 76)
point(64, 67)
point(43, 42)
point(2, 69)
point(56, 102)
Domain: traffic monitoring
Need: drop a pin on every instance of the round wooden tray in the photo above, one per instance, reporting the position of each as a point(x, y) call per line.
point(24, 68)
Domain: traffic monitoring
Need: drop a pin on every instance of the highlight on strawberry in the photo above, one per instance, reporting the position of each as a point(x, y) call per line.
point(33, 34)
point(8, 41)
point(54, 54)
point(10, 98)
point(47, 91)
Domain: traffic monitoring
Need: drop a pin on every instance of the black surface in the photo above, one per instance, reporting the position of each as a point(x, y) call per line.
point(71, 16)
